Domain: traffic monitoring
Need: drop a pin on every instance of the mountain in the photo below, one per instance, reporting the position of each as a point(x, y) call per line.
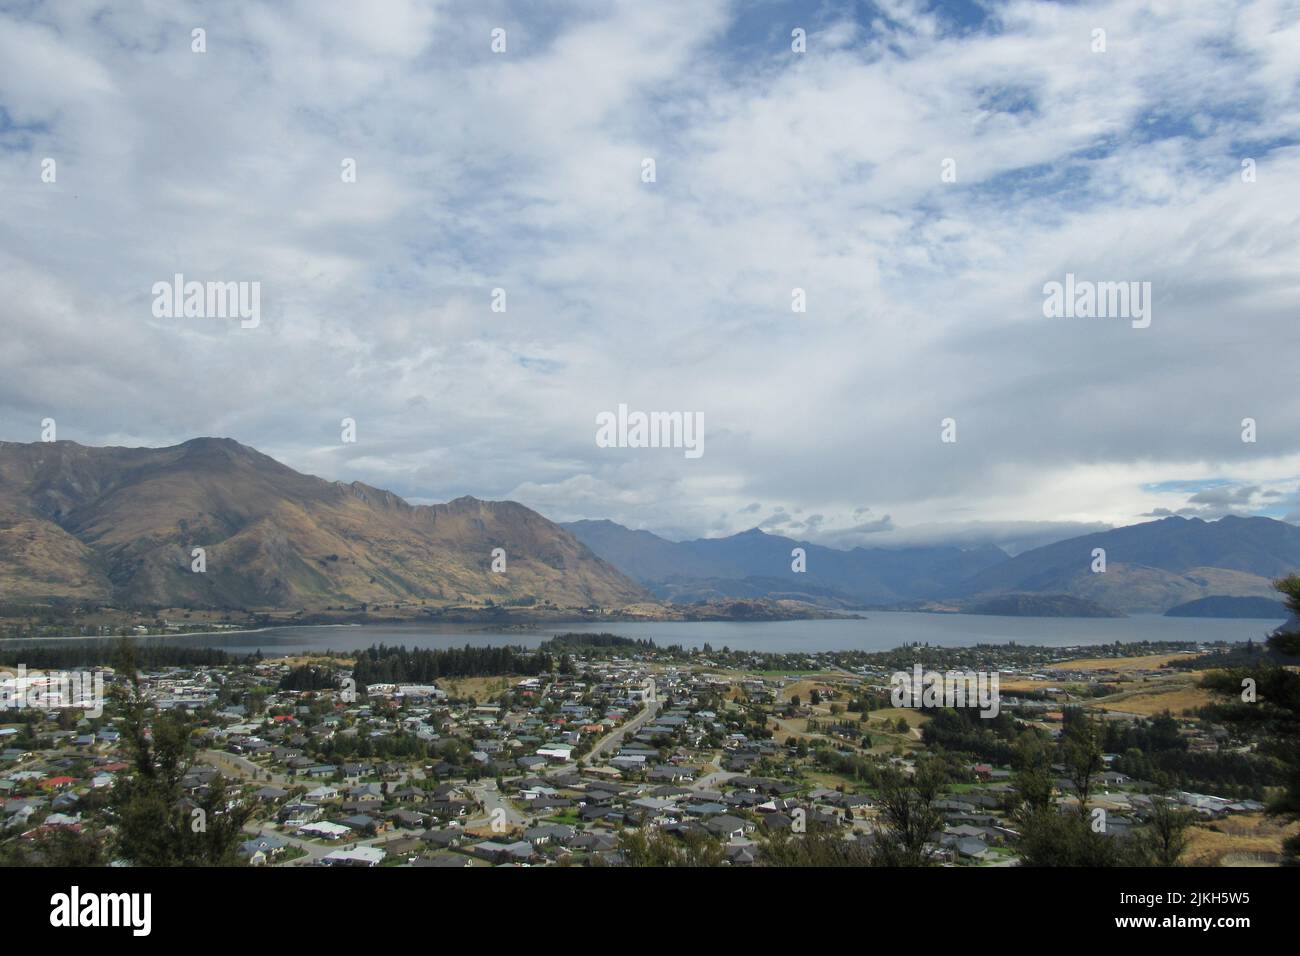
point(118, 524)
point(1150, 567)
point(643, 556)
point(1153, 566)
point(754, 564)
point(1230, 607)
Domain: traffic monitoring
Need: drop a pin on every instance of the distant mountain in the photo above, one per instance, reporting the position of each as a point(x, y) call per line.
point(756, 564)
point(1150, 567)
point(1229, 607)
point(118, 524)
point(1040, 605)
point(643, 556)
point(1154, 566)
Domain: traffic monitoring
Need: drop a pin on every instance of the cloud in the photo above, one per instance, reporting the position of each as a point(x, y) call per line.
point(775, 171)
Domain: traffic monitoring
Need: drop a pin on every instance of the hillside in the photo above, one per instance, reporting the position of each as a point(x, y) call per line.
point(1040, 605)
point(1150, 567)
point(1154, 566)
point(643, 556)
point(119, 524)
point(1231, 607)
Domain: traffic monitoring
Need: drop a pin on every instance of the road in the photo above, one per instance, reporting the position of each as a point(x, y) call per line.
point(493, 800)
point(616, 736)
point(234, 765)
point(710, 781)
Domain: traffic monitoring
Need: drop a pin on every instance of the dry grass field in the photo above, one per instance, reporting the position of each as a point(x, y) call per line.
point(1176, 695)
point(301, 659)
point(1122, 665)
point(481, 689)
point(1248, 840)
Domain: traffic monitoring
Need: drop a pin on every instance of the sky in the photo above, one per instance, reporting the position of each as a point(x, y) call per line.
point(921, 171)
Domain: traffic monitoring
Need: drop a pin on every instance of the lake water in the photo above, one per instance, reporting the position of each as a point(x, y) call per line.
point(879, 631)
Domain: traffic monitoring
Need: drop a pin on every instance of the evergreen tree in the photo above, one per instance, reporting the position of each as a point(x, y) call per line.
point(157, 824)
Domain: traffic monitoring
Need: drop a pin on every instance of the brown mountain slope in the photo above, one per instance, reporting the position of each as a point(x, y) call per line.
point(1145, 590)
point(120, 523)
point(40, 559)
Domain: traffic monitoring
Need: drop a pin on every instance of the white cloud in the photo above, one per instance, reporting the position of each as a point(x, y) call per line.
point(775, 171)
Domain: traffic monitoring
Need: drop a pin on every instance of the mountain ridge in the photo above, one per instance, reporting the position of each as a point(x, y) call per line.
point(120, 524)
point(1151, 566)
point(861, 575)
point(1154, 565)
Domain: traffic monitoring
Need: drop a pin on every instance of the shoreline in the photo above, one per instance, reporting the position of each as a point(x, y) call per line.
point(113, 637)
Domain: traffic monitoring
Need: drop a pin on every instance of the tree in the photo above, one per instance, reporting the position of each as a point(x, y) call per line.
point(652, 847)
point(1032, 782)
point(1263, 701)
point(1048, 838)
point(60, 847)
point(1081, 751)
point(1165, 836)
point(820, 846)
point(157, 825)
point(908, 815)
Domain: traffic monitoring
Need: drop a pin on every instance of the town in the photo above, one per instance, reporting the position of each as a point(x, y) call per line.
point(599, 750)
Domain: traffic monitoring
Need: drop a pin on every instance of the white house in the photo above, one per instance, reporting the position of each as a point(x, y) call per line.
point(330, 831)
point(357, 856)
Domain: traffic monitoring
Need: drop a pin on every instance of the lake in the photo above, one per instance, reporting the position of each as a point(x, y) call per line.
point(879, 631)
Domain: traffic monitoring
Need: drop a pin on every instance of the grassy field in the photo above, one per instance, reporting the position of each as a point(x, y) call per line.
point(1175, 695)
point(804, 686)
point(300, 660)
point(833, 781)
point(1021, 684)
point(1250, 839)
point(799, 675)
point(565, 816)
point(1122, 665)
point(914, 718)
point(482, 689)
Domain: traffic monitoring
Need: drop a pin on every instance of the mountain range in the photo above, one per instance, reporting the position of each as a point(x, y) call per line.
point(753, 563)
point(1150, 567)
point(120, 525)
point(1156, 565)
